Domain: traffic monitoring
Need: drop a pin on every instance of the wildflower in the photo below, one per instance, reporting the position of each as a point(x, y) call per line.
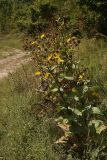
point(59, 60)
point(47, 76)
point(42, 36)
point(56, 55)
point(38, 73)
point(49, 57)
point(34, 42)
point(81, 76)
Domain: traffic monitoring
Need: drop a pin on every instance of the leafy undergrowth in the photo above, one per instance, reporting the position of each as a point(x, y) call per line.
point(23, 134)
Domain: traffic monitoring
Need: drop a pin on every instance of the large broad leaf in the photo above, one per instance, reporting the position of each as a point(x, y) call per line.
point(77, 112)
point(101, 129)
point(96, 110)
point(99, 125)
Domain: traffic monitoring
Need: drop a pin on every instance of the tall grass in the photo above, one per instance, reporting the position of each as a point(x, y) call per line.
point(23, 135)
point(93, 54)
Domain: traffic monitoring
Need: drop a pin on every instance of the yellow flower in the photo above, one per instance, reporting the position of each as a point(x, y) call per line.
point(47, 76)
point(81, 76)
point(38, 73)
point(49, 57)
point(42, 36)
point(34, 42)
point(59, 60)
point(56, 55)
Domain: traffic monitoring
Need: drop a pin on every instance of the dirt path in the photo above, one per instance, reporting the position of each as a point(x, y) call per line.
point(11, 63)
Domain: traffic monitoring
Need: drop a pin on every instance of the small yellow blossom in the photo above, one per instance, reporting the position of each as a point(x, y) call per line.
point(47, 76)
point(81, 76)
point(38, 73)
point(56, 55)
point(34, 42)
point(60, 60)
point(42, 36)
point(49, 57)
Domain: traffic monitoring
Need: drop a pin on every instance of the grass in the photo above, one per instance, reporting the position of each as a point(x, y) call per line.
point(92, 54)
point(23, 135)
point(9, 44)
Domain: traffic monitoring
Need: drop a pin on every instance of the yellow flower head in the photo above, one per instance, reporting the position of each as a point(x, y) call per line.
point(42, 36)
point(46, 76)
point(56, 55)
point(81, 76)
point(38, 73)
point(49, 57)
point(34, 42)
point(60, 60)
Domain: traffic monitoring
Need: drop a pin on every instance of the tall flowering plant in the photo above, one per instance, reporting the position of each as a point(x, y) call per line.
point(66, 85)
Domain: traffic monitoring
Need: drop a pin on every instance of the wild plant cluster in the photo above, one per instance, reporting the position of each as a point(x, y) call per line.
point(67, 89)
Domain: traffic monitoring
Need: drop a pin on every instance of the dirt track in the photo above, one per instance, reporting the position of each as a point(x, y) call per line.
point(11, 63)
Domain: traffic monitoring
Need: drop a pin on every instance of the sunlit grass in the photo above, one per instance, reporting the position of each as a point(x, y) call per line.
point(23, 135)
point(93, 55)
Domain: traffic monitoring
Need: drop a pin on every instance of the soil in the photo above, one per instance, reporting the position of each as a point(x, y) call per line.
point(11, 63)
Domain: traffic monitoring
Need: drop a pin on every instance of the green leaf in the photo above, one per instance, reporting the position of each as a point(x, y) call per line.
point(61, 89)
point(55, 90)
point(69, 78)
point(99, 125)
point(101, 129)
point(96, 110)
point(77, 112)
point(54, 67)
point(96, 123)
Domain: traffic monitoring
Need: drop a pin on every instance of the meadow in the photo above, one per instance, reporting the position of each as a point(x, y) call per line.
point(53, 104)
point(27, 132)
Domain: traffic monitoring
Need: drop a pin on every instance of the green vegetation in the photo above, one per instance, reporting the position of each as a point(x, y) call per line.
point(68, 89)
point(33, 16)
point(54, 107)
point(23, 134)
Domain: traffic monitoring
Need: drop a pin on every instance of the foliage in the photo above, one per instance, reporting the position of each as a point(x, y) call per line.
point(65, 86)
point(97, 9)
